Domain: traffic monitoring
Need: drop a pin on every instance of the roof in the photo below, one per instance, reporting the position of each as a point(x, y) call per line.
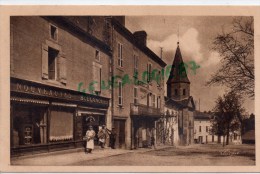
point(202, 115)
point(249, 135)
point(178, 72)
point(179, 104)
point(130, 37)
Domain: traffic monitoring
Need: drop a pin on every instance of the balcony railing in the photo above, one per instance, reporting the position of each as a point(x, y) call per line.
point(144, 110)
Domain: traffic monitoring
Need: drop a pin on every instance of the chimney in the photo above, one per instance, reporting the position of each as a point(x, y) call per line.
point(140, 37)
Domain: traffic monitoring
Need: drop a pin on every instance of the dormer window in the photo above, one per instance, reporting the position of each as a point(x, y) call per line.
point(53, 32)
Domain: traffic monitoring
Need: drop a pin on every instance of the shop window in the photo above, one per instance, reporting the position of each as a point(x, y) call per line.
point(135, 95)
point(120, 54)
point(52, 65)
point(29, 125)
point(61, 125)
point(120, 93)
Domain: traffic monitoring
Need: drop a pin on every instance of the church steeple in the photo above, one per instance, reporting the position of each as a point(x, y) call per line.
point(178, 84)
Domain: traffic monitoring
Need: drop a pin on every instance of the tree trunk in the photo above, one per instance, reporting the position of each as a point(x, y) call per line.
point(228, 133)
point(223, 140)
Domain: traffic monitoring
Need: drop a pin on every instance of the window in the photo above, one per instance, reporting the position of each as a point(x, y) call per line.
point(184, 91)
point(135, 95)
point(207, 129)
point(53, 32)
point(97, 71)
point(159, 102)
point(120, 54)
point(158, 78)
point(176, 92)
point(52, 65)
point(153, 100)
point(135, 65)
point(120, 93)
point(200, 129)
point(97, 55)
point(149, 72)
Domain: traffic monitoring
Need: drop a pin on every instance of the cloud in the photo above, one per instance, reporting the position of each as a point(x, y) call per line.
point(190, 48)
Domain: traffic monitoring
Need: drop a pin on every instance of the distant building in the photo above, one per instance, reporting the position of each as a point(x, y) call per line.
point(203, 126)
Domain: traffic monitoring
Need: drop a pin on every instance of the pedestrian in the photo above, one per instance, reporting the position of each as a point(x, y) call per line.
point(112, 137)
point(102, 134)
point(90, 135)
point(152, 139)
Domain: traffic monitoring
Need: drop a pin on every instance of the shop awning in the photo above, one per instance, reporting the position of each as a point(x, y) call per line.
point(27, 100)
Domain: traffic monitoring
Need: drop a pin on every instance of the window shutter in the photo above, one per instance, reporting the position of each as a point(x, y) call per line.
point(44, 61)
point(62, 66)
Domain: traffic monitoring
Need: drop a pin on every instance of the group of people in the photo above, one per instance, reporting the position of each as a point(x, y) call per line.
point(102, 136)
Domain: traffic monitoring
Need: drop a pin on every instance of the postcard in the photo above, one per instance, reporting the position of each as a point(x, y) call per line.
point(129, 88)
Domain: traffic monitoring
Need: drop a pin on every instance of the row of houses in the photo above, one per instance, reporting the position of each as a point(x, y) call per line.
point(69, 72)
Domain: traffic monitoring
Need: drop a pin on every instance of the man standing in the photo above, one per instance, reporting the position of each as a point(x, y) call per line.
point(102, 136)
point(112, 137)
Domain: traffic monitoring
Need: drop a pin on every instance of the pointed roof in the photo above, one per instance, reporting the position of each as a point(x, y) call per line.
point(178, 72)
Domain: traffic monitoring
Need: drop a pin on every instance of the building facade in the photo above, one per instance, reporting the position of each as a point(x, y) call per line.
point(56, 63)
point(138, 94)
point(71, 72)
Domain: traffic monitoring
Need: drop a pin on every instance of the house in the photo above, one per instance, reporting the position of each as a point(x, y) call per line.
point(56, 63)
point(137, 99)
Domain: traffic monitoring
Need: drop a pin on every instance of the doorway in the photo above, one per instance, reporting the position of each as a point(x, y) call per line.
point(119, 126)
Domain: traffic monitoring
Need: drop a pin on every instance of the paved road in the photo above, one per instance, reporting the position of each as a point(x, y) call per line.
point(196, 155)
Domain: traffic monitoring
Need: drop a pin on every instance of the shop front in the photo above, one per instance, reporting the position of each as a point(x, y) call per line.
point(46, 118)
point(144, 120)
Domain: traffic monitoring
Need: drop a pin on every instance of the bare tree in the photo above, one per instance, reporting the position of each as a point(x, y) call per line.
point(228, 111)
point(236, 49)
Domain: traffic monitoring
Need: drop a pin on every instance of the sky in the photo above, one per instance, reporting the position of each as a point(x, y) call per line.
point(195, 35)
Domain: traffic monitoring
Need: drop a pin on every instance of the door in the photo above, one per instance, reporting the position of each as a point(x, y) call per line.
point(119, 126)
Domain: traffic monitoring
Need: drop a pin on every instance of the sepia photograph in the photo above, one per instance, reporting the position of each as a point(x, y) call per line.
point(132, 90)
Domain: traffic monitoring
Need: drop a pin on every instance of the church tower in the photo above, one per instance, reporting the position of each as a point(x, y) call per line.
point(178, 84)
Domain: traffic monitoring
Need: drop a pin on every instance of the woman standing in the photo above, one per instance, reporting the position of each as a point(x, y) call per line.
point(90, 134)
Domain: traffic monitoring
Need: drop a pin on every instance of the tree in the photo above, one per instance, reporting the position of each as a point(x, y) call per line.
point(228, 114)
point(236, 49)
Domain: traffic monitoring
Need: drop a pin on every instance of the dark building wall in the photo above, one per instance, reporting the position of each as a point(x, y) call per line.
point(29, 34)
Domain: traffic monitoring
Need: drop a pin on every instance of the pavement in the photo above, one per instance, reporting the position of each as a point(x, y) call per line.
point(74, 156)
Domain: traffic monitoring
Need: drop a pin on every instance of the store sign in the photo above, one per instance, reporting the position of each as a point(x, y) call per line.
point(42, 90)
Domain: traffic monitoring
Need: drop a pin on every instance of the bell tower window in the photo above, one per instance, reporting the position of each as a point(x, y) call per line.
point(176, 92)
point(184, 91)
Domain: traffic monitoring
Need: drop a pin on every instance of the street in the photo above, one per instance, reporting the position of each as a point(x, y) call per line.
point(194, 155)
